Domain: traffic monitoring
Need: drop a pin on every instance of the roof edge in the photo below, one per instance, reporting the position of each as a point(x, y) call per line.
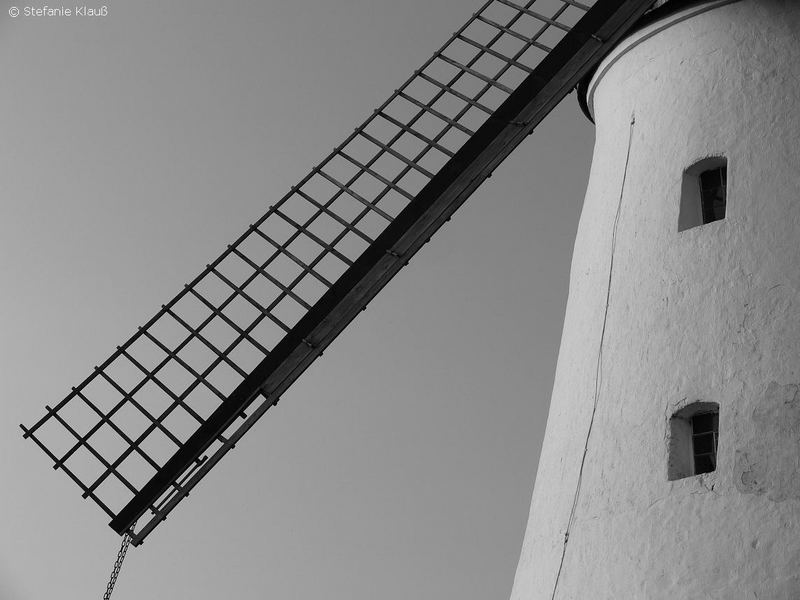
point(658, 12)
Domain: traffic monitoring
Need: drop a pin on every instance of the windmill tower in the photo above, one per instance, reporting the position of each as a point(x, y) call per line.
point(177, 396)
point(682, 321)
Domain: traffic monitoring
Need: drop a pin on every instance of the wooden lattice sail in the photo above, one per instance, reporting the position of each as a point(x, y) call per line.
point(148, 423)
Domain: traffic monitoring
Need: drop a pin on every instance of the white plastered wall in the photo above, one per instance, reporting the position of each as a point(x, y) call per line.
point(708, 314)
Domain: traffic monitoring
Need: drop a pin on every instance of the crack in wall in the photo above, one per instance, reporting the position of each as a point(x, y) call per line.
point(767, 464)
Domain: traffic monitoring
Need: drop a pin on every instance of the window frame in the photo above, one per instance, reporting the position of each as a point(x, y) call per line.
point(682, 461)
point(697, 204)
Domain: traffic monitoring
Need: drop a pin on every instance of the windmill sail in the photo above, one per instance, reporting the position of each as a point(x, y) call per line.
point(148, 423)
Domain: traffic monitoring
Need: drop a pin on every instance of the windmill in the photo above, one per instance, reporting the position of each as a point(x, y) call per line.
point(303, 321)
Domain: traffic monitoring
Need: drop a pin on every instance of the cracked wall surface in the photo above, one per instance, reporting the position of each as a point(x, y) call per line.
point(769, 461)
point(709, 314)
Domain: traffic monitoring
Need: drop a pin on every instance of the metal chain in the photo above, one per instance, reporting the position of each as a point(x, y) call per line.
point(123, 549)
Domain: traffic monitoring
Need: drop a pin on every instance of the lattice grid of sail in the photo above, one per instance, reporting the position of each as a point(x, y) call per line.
point(118, 428)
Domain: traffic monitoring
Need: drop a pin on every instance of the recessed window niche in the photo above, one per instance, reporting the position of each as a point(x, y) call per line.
point(704, 193)
point(693, 433)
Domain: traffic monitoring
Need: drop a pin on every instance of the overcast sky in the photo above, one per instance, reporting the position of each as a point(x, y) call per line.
point(134, 147)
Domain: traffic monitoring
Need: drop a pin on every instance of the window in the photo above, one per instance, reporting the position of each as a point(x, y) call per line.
point(693, 433)
point(704, 193)
point(705, 429)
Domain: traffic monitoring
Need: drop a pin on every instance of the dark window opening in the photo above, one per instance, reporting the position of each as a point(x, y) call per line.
point(704, 193)
point(693, 436)
point(713, 192)
point(705, 430)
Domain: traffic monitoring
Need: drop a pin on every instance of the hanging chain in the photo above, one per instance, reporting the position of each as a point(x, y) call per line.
point(123, 549)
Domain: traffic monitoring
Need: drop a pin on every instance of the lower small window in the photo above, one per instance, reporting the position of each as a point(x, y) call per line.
point(705, 429)
point(704, 193)
point(693, 433)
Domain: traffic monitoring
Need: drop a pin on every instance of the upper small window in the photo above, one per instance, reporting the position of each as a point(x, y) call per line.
point(704, 193)
point(693, 433)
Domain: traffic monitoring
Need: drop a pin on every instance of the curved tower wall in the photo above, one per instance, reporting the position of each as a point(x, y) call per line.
point(708, 314)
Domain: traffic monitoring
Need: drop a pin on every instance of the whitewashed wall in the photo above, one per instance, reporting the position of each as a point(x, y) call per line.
point(711, 314)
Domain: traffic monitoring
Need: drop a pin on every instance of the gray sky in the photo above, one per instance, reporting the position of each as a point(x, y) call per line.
point(135, 146)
